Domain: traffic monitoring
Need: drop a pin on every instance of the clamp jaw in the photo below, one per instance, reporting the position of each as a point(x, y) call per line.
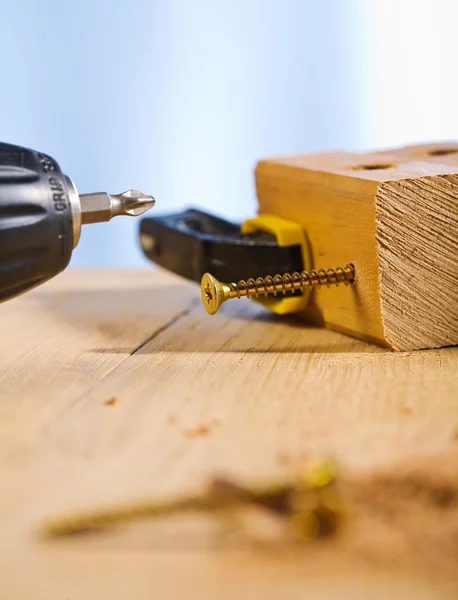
point(192, 243)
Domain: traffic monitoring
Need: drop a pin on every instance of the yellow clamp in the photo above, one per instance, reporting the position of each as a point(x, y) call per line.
point(287, 233)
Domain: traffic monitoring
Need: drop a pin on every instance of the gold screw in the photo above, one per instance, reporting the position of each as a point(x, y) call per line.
point(214, 292)
point(310, 505)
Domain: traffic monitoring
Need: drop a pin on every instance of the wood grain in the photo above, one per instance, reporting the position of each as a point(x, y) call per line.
point(417, 235)
point(393, 215)
point(267, 392)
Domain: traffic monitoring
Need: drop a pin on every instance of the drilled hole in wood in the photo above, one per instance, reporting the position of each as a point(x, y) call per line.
point(443, 151)
point(373, 167)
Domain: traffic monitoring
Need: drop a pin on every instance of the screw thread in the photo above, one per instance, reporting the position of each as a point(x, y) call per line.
point(214, 293)
point(291, 281)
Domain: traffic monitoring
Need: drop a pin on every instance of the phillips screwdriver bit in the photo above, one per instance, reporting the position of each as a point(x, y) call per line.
point(101, 206)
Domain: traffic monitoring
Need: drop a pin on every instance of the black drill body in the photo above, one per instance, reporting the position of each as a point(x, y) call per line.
point(41, 215)
point(36, 227)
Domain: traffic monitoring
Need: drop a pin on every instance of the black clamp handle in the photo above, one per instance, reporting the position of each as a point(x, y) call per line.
point(192, 242)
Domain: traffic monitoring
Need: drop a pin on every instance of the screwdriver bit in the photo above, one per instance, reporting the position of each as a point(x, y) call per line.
point(100, 206)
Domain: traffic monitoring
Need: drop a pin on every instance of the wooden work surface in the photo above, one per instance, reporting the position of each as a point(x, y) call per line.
point(242, 393)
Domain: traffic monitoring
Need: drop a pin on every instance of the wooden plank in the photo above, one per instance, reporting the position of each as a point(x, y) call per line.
point(51, 339)
point(393, 215)
point(270, 393)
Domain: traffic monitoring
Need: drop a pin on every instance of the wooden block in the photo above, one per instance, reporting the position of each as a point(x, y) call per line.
point(444, 153)
point(394, 215)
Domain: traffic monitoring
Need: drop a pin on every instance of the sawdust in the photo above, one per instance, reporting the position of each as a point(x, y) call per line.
point(200, 431)
point(204, 429)
point(111, 401)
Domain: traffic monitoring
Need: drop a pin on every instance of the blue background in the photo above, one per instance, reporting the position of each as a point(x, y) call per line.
point(180, 98)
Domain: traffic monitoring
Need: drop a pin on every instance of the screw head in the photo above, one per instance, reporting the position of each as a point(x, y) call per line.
point(212, 293)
